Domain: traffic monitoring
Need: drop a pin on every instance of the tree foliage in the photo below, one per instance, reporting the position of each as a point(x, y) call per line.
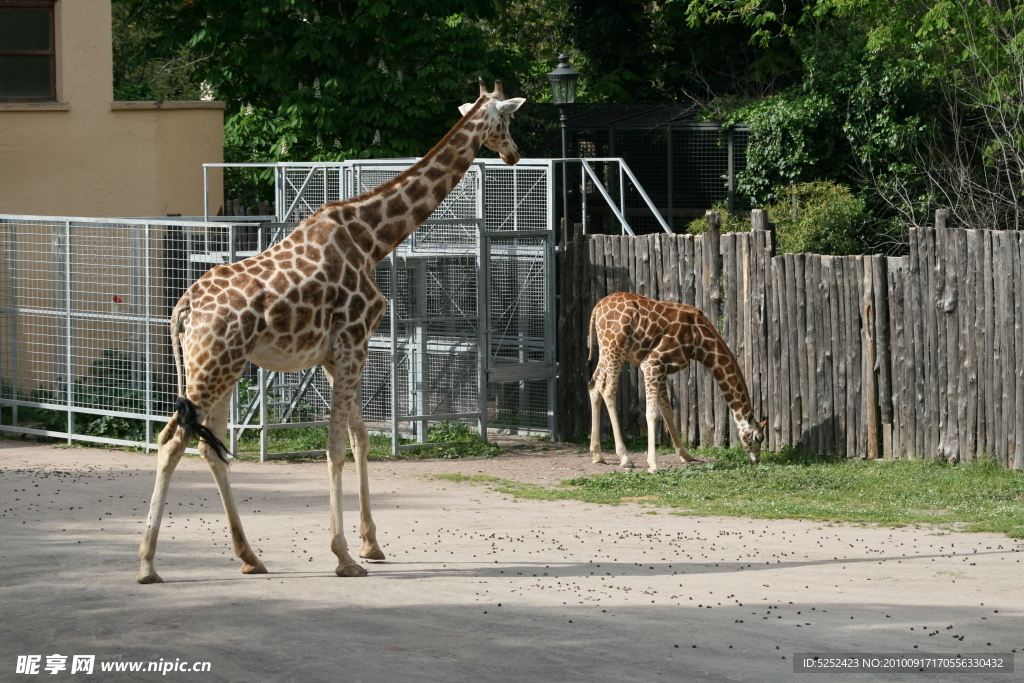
point(138, 75)
point(914, 104)
point(637, 51)
point(910, 105)
point(322, 80)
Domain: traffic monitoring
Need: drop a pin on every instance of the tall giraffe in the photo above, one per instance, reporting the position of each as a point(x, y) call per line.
point(309, 300)
point(661, 338)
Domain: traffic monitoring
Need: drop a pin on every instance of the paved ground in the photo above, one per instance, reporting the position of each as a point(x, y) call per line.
point(477, 587)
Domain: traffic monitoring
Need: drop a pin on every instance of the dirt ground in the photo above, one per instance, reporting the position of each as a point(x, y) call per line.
point(477, 586)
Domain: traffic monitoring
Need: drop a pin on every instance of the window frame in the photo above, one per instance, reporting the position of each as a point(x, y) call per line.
point(49, 5)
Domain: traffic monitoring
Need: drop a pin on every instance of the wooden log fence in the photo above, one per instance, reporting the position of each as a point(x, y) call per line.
point(866, 356)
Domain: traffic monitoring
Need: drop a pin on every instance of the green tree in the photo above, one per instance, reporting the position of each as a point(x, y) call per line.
point(637, 51)
point(319, 80)
point(138, 74)
point(915, 104)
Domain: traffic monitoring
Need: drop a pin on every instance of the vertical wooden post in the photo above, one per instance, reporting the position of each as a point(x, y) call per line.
point(868, 346)
point(714, 223)
point(712, 253)
point(883, 350)
point(941, 219)
point(759, 221)
point(710, 303)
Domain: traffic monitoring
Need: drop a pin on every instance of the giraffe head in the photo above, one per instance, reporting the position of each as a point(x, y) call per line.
point(493, 116)
point(751, 433)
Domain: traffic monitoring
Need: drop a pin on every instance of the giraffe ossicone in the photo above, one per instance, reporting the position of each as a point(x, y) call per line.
point(661, 338)
point(309, 300)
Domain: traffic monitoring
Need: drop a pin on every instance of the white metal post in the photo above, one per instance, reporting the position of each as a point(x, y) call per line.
point(148, 356)
point(69, 375)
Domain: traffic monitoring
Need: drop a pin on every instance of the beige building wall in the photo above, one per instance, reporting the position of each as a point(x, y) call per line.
point(86, 155)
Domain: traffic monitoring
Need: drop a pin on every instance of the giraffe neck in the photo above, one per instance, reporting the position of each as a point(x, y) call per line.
point(726, 371)
point(391, 212)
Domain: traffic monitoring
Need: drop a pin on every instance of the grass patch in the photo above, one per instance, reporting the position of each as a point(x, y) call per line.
point(454, 440)
point(470, 478)
point(792, 483)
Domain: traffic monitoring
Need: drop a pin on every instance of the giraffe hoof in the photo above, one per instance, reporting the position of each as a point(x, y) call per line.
point(150, 577)
point(254, 569)
point(371, 553)
point(351, 570)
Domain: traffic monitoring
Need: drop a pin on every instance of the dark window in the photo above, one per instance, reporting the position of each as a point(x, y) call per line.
point(27, 68)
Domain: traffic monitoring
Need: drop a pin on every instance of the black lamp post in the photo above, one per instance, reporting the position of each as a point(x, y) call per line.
point(563, 91)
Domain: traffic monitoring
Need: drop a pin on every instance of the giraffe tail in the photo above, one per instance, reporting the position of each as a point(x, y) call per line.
point(591, 335)
point(189, 421)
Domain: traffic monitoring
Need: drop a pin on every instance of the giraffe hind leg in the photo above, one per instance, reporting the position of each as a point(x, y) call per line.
point(611, 385)
point(171, 446)
point(595, 415)
point(216, 424)
point(606, 389)
point(653, 379)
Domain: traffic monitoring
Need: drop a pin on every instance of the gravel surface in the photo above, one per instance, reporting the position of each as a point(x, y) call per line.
point(477, 586)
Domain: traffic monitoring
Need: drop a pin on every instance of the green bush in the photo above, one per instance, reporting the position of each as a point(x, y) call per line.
point(821, 217)
point(727, 223)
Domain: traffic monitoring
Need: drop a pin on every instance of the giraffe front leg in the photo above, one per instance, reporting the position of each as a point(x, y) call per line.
point(670, 423)
point(360, 440)
point(171, 446)
point(217, 423)
point(342, 398)
point(652, 379)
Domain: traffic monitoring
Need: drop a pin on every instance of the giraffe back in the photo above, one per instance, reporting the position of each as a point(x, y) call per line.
point(634, 326)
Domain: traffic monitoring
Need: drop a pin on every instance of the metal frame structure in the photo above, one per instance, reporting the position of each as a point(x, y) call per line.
point(477, 275)
point(616, 172)
point(469, 334)
point(686, 165)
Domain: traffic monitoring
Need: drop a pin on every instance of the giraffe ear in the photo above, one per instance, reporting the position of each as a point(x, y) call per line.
point(509, 106)
point(464, 109)
point(763, 423)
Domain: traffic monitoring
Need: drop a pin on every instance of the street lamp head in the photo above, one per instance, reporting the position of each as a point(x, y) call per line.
point(563, 81)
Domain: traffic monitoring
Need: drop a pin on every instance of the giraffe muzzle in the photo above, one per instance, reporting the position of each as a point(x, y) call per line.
point(511, 158)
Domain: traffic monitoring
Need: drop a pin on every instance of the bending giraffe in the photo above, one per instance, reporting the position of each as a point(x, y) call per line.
point(309, 300)
point(661, 338)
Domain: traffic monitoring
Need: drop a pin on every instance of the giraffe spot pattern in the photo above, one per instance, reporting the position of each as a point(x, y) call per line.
point(370, 214)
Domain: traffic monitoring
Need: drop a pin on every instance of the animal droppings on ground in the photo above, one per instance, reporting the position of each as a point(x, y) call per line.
point(538, 566)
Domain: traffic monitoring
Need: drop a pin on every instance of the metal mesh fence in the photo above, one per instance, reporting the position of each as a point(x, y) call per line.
point(84, 308)
point(425, 363)
point(304, 188)
point(684, 168)
point(96, 297)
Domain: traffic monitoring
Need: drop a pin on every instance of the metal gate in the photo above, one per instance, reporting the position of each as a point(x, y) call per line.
point(469, 333)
